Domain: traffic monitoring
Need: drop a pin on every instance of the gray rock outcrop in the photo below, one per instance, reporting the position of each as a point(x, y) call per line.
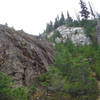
point(23, 56)
point(75, 34)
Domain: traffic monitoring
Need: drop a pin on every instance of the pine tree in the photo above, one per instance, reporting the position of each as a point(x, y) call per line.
point(49, 27)
point(56, 23)
point(62, 19)
point(84, 10)
point(69, 19)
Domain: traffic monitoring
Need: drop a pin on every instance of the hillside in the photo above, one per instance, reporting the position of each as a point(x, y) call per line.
point(63, 63)
point(32, 68)
point(75, 73)
point(38, 69)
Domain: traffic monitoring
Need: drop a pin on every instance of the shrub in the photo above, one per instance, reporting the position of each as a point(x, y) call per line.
point(5, 87)
point(9, 93)
point(21, 93)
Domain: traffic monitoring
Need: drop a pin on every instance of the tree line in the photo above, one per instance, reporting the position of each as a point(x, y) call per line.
point(83, 15)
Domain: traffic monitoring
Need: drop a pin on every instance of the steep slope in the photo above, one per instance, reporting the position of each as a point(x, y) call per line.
point(23, 56)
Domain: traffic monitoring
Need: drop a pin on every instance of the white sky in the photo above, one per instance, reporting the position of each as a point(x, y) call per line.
point(32, 15)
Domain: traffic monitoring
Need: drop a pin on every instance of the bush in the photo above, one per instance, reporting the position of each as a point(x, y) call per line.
point(55, 35)
point(21, 93)
point(5, 87)
point(9, 93)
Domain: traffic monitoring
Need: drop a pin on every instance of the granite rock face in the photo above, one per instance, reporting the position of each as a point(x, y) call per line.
point(75, 34)
point(23, 56)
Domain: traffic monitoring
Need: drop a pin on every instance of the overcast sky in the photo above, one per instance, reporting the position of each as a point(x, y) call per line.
point(32, 15)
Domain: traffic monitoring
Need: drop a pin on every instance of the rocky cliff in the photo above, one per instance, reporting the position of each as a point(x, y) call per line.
point(23, 56)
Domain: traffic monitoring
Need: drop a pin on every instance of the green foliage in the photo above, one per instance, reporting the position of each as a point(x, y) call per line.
point(33, 88)
point(49, 27)
point(72, 71)
point(62, 20)
point(54, 36)
point(76, 68)
point(5, 87)
point(79, 68)
point(97, 63)
point(4, 81)
point(7, 92)
point(21, 93)
point(90, 27)
point(69, 20)
point(59, 22)
point(56, 23)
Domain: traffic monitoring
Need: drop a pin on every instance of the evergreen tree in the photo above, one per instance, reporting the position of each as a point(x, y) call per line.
point(91, 9)
point(84, 10)
point(49, 27)
point(62, 19)
point(69, 19)
point(56, 23)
